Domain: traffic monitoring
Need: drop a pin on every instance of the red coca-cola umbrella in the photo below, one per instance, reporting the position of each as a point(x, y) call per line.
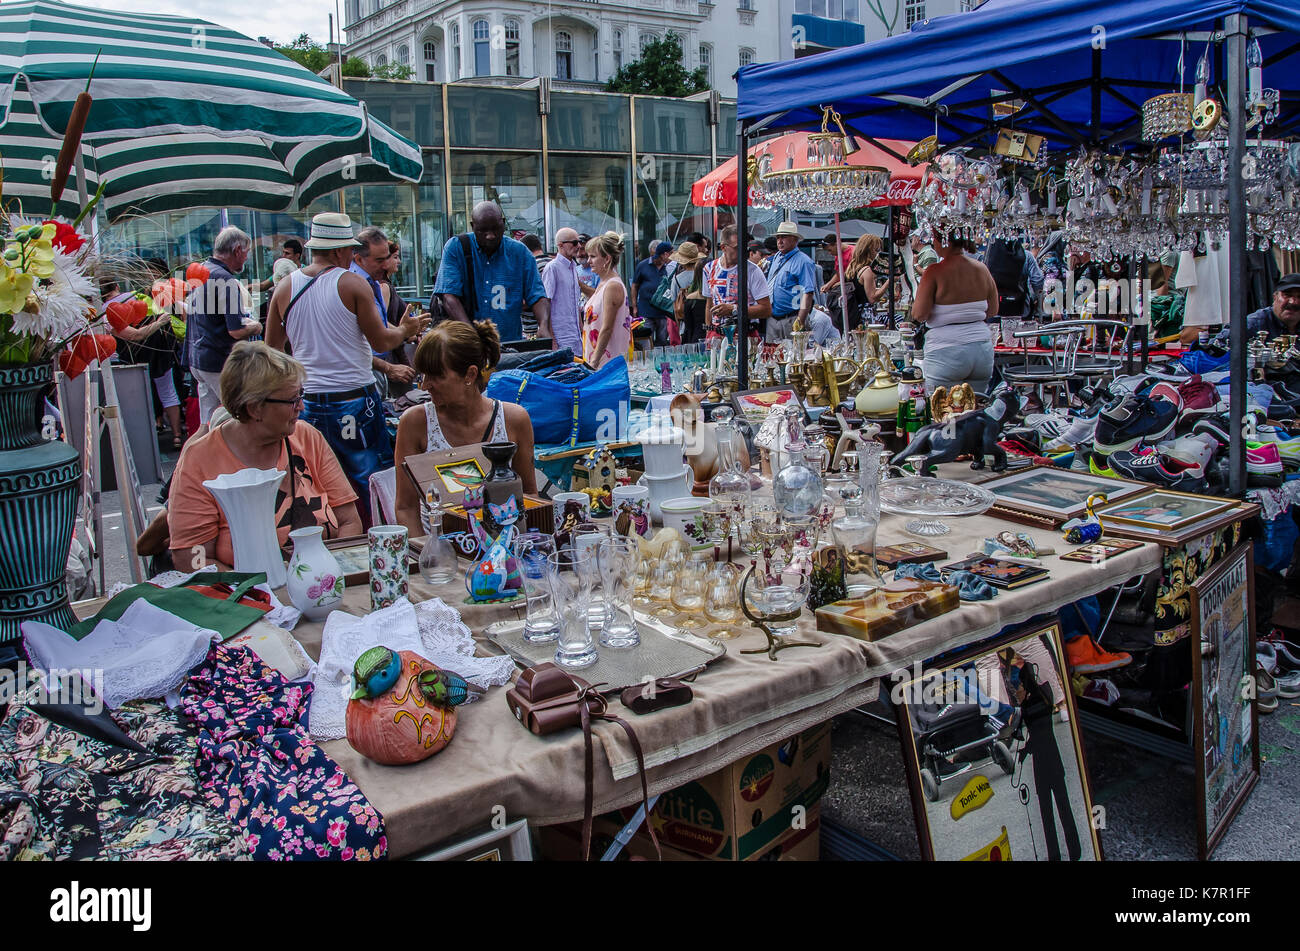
point(791, 151)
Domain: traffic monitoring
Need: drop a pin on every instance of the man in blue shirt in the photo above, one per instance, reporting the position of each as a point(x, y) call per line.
point(649, 275)
point(505, 277)
point(793, 279)
point(219, 314)
point(368, 263)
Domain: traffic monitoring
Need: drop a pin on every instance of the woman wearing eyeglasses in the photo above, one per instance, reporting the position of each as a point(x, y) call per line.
point(262, 390)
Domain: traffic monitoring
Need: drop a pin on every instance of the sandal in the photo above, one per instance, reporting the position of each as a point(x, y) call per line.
point(177, 443)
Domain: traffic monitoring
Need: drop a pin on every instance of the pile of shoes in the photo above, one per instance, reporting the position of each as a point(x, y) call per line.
point(1277, 672)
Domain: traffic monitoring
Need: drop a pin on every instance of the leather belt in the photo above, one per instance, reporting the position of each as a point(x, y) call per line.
point(342, 396)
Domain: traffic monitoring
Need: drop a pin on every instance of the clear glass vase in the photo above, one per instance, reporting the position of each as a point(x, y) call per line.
point(438, 563)
point(797, 487)
point(730, 486)
point(854, 535)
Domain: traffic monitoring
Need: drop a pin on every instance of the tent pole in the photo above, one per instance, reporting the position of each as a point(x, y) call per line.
point(1094, 132)
point(889, 235)
point(1235, 28)
point(742, 265)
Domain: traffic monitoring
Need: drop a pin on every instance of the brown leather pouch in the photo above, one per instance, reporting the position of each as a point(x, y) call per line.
point(662, 694)
point(547, 699)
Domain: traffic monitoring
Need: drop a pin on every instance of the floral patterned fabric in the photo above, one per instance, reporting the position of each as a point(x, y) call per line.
point(1181, 567)
point(258, 765)
point(67, 796)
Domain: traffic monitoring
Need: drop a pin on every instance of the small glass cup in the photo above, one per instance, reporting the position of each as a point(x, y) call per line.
point(570, 576)
point(716, 519)
point(688, 594)
point(722, 599)
point(532, 549)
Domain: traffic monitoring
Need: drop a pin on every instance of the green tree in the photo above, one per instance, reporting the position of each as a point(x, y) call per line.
point(355, 67)
point(659, 72)
point(392, 71)
point(307, 52)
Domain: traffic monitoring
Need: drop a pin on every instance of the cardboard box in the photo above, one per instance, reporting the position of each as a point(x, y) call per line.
point(563, 843)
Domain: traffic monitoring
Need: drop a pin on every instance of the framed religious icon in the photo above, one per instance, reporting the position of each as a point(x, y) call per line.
point(1164, 510)
point(991, 743)
point(1226, 727)
point(1048, 495)
point(754, 405)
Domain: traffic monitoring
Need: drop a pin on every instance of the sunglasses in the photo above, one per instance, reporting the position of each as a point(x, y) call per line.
point(562, 243)
point(296, 401)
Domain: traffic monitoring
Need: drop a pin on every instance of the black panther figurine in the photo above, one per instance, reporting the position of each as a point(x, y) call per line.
point(975, 433)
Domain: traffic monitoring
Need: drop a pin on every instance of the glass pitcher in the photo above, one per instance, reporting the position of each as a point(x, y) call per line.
point(730, 486)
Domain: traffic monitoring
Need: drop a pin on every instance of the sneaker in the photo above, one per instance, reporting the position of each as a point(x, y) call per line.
point(1197, 394)
point(1195, 450)
point(1288, 684)
point(1080, 431)
point(1124, 386)
point(1099, 465)
point(1047, 425)
point(1102, 691)
point(1276, 657)
point(1085, 657)
point(1133, 420)
point(1288, 446)
point(1265, 690)
point(1167, 392)
point(1263, 458)
point(1145, 465)
point(1221, 428)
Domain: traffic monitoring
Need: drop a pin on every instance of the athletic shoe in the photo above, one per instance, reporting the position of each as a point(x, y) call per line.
point(1085, 657)
point(1080, 431)
point(1288, 684)
point(1276, 657)
point(1102, 691)
point(1134, 420)
point(1218, 477)
point(1197, 394)
point(1191, 450)
point(1198, 361)
point(1288, 446)
point(1167, 392)
point(1263, 458)
point(1145, 465)
point(1129, 385)
point(1220, 428)
point(1047, 425)
point(1265, 690)
point(1099, 465)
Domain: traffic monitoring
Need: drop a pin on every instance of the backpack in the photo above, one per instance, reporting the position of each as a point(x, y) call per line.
point(1006, 262)
point(665, 295)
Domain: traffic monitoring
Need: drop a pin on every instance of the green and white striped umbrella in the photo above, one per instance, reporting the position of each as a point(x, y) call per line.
point(186, 113)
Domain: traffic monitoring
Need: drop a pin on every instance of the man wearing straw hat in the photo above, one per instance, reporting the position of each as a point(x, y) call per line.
point(793, 278)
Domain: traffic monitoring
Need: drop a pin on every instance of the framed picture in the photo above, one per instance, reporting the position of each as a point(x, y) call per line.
point(1226, 727)
point(508, 844)
point(1163, 510)
point(754, 405)
point(353, 556)
point(991, 744)
point(1057, 495)
point(448, 472)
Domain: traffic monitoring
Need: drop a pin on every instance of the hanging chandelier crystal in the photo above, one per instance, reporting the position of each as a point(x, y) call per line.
point(828, 182)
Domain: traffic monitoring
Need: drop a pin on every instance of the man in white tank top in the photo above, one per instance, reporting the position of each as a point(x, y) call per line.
point(328, 317)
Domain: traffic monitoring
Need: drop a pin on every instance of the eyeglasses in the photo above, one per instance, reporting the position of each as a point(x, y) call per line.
point(296, 401)
point(562, 243)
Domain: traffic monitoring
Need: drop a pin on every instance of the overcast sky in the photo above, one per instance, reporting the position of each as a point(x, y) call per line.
point(280, 21)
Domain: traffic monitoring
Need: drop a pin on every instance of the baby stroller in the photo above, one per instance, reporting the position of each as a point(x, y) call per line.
point(953, 738)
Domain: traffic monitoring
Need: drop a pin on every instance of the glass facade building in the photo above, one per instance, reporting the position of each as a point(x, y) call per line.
point(593, 161)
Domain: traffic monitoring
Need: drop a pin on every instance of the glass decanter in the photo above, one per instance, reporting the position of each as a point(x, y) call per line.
point(797, 487)
point(854, 533)
point(438, 557)
point(730, 486)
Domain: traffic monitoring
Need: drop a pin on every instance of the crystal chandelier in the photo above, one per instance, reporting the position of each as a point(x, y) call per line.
point(828, 182)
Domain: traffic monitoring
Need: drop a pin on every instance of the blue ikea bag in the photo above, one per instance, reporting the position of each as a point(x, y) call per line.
point(568, 413)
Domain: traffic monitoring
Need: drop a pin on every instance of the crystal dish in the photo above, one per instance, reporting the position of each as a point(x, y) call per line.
point(931, 501)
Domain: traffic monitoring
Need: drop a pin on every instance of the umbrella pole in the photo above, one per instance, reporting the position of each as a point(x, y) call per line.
point(839, 267)
point(742, 265)
point(889, 321)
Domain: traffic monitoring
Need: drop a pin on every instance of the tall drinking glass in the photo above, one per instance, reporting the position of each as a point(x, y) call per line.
point(532, 549)
point(570, 574)
point(617, 557)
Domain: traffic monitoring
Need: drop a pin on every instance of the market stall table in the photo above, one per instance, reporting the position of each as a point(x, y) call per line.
point(742, 704)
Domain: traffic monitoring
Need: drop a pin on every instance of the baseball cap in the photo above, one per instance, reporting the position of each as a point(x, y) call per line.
point(662, 247)
point(1289, 282)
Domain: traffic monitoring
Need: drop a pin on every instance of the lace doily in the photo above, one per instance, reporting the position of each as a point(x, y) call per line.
point(1273, 502)
point(434, 630)
point(146, 653)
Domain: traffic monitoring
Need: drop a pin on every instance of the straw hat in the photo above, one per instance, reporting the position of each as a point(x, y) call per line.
point(788, 228)
point(688, 253)
point(330, 230)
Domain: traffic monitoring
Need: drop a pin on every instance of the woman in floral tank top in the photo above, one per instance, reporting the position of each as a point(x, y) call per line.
point(606, 321)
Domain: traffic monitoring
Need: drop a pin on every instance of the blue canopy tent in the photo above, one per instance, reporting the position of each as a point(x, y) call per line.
point(1081, 73)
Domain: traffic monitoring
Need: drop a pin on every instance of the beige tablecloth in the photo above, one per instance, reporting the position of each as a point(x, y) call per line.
point(742, 704)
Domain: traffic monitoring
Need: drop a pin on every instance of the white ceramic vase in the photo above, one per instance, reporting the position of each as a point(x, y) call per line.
point(663, 488)
point(247, 498)
point(315, 584)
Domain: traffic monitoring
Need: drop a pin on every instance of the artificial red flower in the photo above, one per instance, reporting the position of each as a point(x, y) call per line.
point(120, 315)
point(197, 272)
point(139, 310)
point(168, 292)
point(65, 237)
point(71, 364)
point(90, 347)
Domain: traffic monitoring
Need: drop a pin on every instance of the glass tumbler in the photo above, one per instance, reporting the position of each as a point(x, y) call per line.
point(688, 594)
point(532, 549)
point(722, 599)
point(617, 557)
point(570, 576)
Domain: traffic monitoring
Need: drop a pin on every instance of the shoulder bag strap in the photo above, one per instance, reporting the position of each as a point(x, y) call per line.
point(487, 433)
point(470, 300)
point(284, 318)
point(586, 701)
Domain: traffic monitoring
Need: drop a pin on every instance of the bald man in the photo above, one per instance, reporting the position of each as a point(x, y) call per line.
point(505, 276)
point(560, 278)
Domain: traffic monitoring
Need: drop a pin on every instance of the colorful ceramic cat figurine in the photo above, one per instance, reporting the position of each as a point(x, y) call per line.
point(496, 574)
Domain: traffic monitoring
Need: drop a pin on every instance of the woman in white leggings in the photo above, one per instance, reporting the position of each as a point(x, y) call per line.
point(954, 297)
